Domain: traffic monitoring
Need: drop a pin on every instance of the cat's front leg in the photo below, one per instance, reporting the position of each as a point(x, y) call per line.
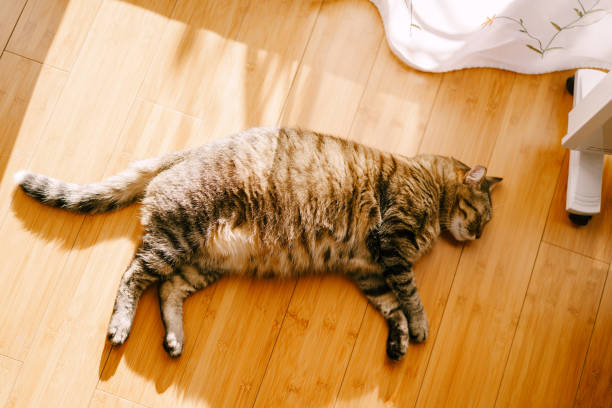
point(383, 299)
point(397, 271)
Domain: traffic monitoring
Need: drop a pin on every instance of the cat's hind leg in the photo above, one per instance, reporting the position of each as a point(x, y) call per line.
point(172, 293)
point(382, 297)
point(157, 257)
point(134, 281)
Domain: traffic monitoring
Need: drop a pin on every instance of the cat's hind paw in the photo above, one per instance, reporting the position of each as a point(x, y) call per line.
point(419, 328)
point(173, 345)
point(118, 334)
point(119, 328)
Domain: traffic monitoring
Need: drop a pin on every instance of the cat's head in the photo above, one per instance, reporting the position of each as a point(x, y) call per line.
point(472, 208)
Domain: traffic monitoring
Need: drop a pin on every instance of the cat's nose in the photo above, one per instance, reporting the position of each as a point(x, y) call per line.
point(478, 234)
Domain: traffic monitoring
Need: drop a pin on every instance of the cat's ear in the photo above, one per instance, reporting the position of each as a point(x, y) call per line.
point(475, 176)
point(492, 182)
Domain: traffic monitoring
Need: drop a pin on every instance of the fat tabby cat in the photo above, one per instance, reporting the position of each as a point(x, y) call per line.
point(280, 202)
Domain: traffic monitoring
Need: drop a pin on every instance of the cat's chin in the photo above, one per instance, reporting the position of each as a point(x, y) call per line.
point(456, 231)
point(459, 237)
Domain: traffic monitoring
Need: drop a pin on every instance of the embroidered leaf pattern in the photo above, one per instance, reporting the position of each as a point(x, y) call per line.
point(542, 48)
point(531, 47)
point(408, 4)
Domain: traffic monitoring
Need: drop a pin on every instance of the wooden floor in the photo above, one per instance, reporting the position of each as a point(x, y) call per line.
point(521, 317)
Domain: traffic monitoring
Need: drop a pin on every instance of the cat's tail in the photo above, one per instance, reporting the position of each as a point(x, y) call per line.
point(111, 193)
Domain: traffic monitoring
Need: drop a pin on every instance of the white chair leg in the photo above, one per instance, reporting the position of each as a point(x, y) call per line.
point(584, 180)
point(584, 185)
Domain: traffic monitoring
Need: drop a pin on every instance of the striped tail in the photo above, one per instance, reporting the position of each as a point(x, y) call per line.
point(112, 193)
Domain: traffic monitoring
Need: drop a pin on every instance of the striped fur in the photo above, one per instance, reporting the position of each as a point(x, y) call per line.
point(112, 193)
point(283, 202)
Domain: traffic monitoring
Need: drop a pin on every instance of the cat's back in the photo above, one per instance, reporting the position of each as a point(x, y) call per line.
point(287, 160)
point(275, 197)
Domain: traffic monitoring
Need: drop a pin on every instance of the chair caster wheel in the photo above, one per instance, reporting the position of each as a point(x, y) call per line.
point(569, 85)
point(578, 219)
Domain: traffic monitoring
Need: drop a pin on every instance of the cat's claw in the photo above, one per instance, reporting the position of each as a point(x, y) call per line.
point(173, 345)
point(419, 328)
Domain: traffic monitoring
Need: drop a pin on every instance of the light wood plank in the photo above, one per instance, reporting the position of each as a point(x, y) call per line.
point(474, 338)
point(396, 106)
point(28, 94)
point(10, 165)
point(98, 97)
point(244, 61)
point(323, 319)
point(398, 384)
point(9, 369)
point(335, 68)
point(470, 108)
point(238, 334)
point(84, 129)
point(594, 239)
point(102, 399)
point(72, 310)
point(32, 274)
point(272, 46)
point(189, 53)
point(595, 389)
point(52, 31)
point(554, 330)
point(9, 14)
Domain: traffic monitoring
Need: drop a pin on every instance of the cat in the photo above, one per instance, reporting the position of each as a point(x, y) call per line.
point(282, 202)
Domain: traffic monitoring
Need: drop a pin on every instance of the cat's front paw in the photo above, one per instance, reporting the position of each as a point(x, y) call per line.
point(173, 344)
point(419, 328)
point(397, 344)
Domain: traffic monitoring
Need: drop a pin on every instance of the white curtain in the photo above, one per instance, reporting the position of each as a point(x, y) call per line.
point(528, 36)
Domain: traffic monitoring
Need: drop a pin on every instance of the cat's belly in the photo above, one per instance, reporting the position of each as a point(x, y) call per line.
point(241, 250)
